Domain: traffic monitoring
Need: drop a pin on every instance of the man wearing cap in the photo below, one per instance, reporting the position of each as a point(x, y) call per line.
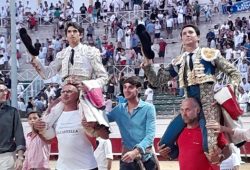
point(12, 139)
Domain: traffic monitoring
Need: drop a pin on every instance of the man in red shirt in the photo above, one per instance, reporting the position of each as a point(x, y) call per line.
point(191, 154)
point(162, 49)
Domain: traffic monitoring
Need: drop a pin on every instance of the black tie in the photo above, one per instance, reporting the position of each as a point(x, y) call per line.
point(71, 59)
point(191, 61)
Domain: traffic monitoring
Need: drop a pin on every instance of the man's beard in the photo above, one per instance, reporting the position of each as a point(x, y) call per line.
point(190, 121)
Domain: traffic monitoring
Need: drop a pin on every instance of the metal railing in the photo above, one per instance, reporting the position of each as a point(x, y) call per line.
point(23, 75)
point(33, 88)
point(125, 15)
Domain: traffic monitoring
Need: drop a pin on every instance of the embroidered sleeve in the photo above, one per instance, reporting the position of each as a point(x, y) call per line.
point(100, 73)
point(156, 80)
point(47, 72)
point(226, 67)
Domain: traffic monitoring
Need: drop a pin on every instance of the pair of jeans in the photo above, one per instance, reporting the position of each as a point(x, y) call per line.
point(149, 165)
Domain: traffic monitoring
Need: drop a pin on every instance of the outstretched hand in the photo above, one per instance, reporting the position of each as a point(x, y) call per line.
point(39, 125)
point(164, 151)
point(95, 130)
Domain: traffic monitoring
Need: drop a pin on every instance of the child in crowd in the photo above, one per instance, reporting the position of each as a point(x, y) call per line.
point(38, 149)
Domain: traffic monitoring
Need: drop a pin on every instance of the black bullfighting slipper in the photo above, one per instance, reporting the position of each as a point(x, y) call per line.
point(145, 41)
point(28, 42)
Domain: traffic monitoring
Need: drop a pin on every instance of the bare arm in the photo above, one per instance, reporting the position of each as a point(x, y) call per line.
point(243, 134)
point(109, 164)
point(20, 159)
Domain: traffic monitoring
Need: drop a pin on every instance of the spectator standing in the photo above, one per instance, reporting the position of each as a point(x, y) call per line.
point(210, 36)
point(245, 85)
point(229, 52)
point(247, 47)
point(98, 8)
point(83, 10)
point(149, 94)
point(243, 68)
point(169, 27)
point(243, 100)
point(37, 45)
point(12, 139)
point(180, 17)
point(103, 154)
point(20, 88)
point(150, 27)
point(32, 21)
point(157, 30)
point(30, 104)
point(134, 41)
point(120, 34)
point(127, 37)
point(197, 11)
point(90, 31)
point(38, 150)
point(138, 138)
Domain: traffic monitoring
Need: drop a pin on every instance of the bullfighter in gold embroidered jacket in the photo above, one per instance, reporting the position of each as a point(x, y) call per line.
point(196, 69)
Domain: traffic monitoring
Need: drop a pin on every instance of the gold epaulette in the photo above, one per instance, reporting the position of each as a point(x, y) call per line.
point(209, 54)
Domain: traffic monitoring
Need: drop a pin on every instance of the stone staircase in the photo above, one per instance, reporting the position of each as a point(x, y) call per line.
point(166, 104)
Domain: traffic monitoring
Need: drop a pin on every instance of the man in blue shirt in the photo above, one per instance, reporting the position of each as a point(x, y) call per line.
point(247, 49)
point(136, 122)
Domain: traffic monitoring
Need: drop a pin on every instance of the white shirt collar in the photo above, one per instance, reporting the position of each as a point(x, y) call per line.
point(76, 47)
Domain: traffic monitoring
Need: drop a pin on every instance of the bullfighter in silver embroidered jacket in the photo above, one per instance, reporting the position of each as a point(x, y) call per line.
point(85, 71)
point(197, 79)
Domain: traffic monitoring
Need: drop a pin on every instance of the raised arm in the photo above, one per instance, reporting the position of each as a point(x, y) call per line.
point(155, 79)
point(47, 72)
point(226, 67)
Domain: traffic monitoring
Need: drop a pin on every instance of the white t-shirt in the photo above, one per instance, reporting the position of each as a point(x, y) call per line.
point(229, 52)
point(157, 28)
point(75, 150)
point(169, 22)
point(230, 163)
point(245, 86)
point(150, 93)
point(102, 153)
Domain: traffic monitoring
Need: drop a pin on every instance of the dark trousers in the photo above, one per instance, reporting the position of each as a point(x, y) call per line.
point(149, 165)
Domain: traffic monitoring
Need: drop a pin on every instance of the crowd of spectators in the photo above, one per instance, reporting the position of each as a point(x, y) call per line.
point(120, 46)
